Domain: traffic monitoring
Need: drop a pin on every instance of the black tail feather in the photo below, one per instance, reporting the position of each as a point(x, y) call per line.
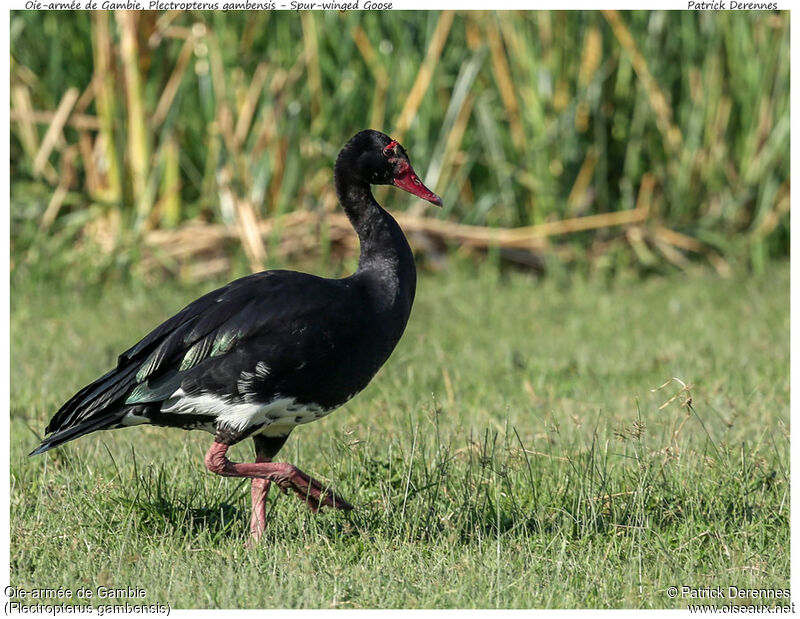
point(92, 399)
point(90, 425)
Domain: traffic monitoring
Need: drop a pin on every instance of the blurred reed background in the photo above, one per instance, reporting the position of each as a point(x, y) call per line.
point(159, 143)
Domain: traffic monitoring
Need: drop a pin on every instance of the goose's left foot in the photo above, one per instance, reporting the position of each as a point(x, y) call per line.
point(263, 472)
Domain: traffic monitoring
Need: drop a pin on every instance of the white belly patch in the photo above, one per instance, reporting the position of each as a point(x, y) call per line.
point(239, 416)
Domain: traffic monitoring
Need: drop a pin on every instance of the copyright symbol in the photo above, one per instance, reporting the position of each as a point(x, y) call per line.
point(672, 592)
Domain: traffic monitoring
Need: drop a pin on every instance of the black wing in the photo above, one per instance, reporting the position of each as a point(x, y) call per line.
point(209, 327)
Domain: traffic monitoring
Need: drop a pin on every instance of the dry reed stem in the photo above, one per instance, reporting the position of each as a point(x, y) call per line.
point(670, 253)
point(78, 121)
point(515, 237)
point(378, 71)
point(138, 151)
point(22, 112)
point(658, 102)
point(224, 114)
point(65, 180)
point(771, 218)
point(87, 96)
point(645, 197)
point(455, 138)
point(250, 231)
point(28, 135)
point(670, 237)
point(312, 57)
point(425, 74)
point(577, 195)
point(279, 150)
point(86, 143)
point(173, 84)
point(248, 228)
point(86, 146)
point(440, 174)
point(679, 240)
point(53, 133)
point(162, 26)
point(248, 107)
point(635, 236)
point(592, 54)
point(296, 236)
point(109, 186)
point(505, 84)
point(267, 128)
point(719, 263)
point(168, 206)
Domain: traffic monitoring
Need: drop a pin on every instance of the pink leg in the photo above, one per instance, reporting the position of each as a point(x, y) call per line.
point(259, 489)
point(287, 476)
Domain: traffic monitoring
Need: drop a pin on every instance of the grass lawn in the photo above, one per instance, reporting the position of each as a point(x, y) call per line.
point(510, 454)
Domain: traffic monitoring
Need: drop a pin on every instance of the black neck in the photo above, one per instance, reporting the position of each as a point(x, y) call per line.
point(385, 255)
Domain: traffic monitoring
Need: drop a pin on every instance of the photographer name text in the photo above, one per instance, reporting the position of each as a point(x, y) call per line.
point(730, 5)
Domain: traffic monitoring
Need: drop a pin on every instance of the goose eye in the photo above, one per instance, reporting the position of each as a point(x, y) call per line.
point(390, 150)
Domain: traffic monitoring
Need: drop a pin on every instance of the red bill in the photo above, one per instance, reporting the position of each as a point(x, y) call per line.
point(408, 180)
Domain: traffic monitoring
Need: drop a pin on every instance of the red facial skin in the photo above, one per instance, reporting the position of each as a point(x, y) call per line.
point(407, 179)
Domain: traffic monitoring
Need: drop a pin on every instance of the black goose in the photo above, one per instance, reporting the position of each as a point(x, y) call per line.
point(271, 350)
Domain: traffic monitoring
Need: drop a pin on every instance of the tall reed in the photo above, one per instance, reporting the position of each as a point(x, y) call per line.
point(522, 118)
